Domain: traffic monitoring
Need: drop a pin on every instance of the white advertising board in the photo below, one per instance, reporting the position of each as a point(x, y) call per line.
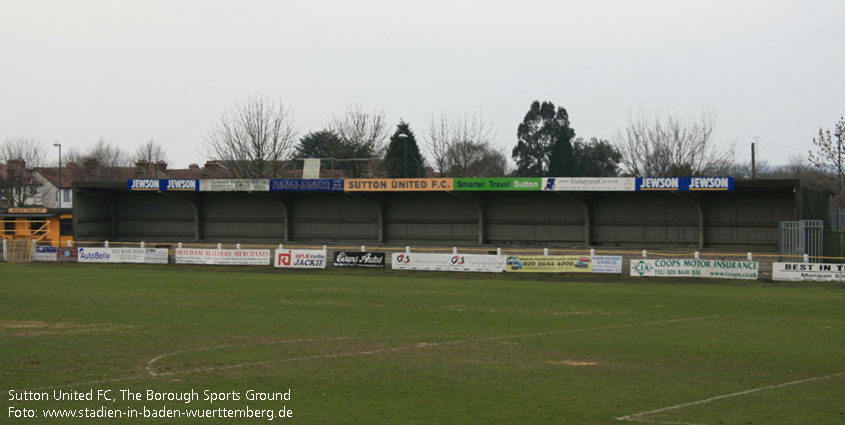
point(235, 185)
point(598, 184)
point(223, 257)
point(44, 253)
point(449, 262)
point(819, 272)
point(607, 264)
point(300, 258)
point(123, 255)
point(720, 269)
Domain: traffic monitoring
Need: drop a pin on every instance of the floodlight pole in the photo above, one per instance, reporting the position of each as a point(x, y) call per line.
point(59, 191)
point(404, 137)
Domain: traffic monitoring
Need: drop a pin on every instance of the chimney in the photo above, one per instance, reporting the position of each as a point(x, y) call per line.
point(160, 167)
point(90, 165)
point(211, 169)
point(16, 164)
point(194, 167)
point(142, 167)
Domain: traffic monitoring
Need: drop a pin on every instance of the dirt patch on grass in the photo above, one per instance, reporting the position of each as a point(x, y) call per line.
point(38, 328)
point(571, 363)
point(571, 313)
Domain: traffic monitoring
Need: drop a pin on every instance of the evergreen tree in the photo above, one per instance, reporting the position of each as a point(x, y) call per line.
point(403, 158)
point(543, 126)
point(563, 161)
point(597, 158)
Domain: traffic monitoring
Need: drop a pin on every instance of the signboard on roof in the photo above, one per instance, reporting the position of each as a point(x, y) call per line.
point(585, 184)
point(499, 184)
point(144, 185)
point(27, 210)
point(397, 185)
point(235, 185)
point(311, 168)
point(163, 185)
point(181, 185)
point(685, 183)
point(306, 185)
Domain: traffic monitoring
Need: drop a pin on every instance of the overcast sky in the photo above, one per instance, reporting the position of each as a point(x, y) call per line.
point(130, 71)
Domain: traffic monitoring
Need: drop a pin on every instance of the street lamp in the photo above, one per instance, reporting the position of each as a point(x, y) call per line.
point(404, 137)
point(59, 191)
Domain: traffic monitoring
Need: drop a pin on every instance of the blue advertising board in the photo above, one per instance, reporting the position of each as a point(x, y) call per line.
point(306, 185)
point(685, 183)
point(163, 185)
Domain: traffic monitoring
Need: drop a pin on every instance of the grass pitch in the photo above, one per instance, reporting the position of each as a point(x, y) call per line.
point(419, 348)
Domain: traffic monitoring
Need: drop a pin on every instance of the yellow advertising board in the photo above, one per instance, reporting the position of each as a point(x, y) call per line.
point(549, 264)
point(397, 185)
point(27, 210)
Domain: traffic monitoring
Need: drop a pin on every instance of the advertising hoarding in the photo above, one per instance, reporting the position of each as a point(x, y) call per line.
point(818, 272)
point(549, 264)
point(449, 262)
point(373, 260)
point(300, 258)
point(123, 255)
point(721, 269)
point(45, 253)
point(67, 255)
point(607, 264)
point(222, 257)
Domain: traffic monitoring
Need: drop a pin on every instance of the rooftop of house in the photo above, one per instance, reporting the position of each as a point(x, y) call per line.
point(92, 171)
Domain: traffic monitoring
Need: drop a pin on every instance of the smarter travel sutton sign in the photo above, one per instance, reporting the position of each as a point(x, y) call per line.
point(499, 184)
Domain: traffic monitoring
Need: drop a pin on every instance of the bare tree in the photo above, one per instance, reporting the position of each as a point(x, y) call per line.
point(253, 139)
point(20, 155)
point(107, 154)
point(459, 146)
point(362, 137)
point(150, 151)
point(672, 146)
point(827, 157)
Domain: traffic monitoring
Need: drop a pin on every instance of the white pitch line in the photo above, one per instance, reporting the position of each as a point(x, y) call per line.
point(427, 345)
point(638, 417)
point(150, 370)
point(152, 374)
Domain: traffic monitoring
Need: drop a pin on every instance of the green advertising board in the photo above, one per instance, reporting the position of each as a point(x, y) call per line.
point(499, 183)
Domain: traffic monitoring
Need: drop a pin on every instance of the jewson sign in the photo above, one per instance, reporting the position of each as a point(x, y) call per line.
point(685, 183)
point(722, 269)
point(163, 185)
point(819, 272)
point(449, 262)
point(306, 185)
